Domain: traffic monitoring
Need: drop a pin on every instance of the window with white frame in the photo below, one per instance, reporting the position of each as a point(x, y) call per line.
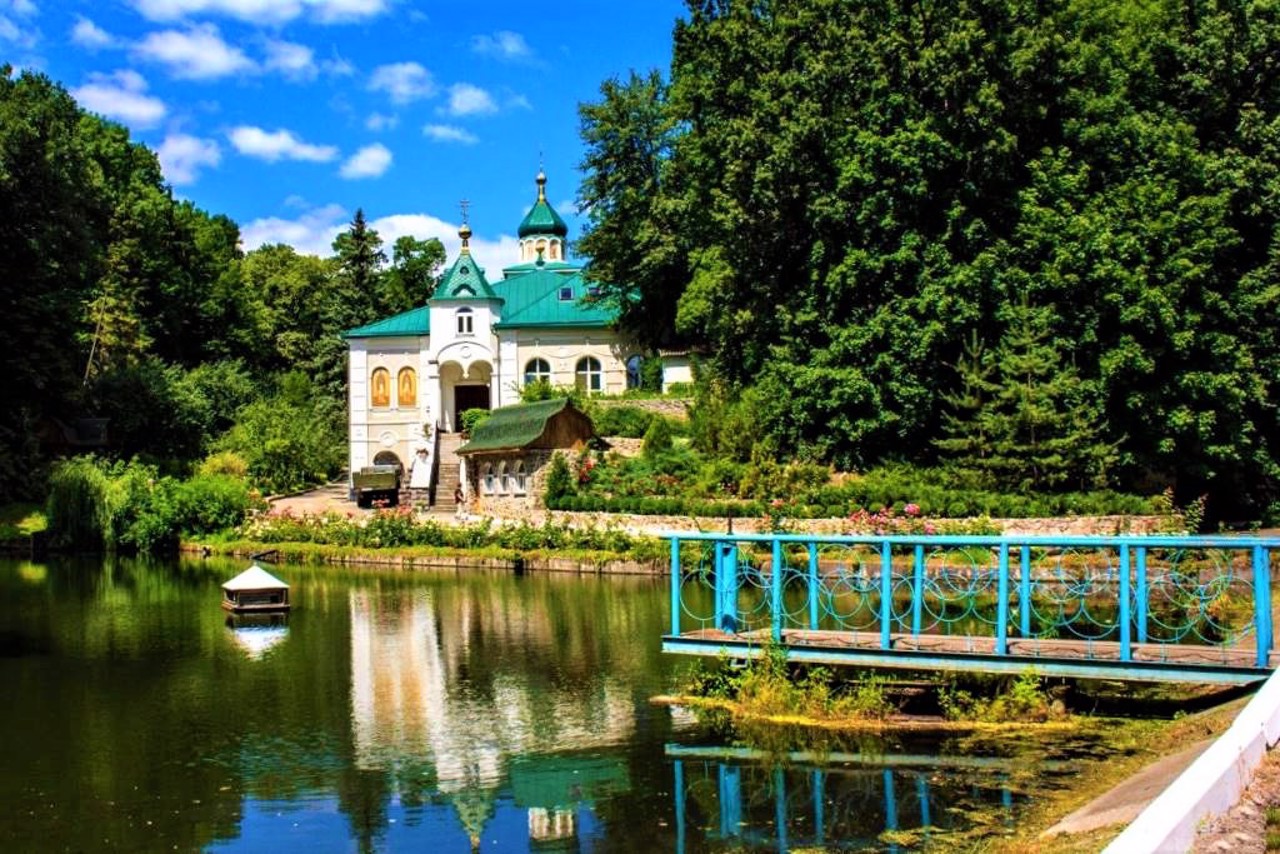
point(504, 479)
point(520, 484)
point(537, 370)
point(587, 375)
point(466, 322)
point(488, 479)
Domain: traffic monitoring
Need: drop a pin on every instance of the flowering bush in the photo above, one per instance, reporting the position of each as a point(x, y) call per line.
point(911, 521)
point(398, 527)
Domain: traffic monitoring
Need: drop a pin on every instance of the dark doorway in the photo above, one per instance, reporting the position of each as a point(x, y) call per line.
point(469, 397)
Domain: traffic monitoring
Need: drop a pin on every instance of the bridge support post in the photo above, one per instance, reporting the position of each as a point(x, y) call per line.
point(1125, 614)
point(1262, 603)
point(886, 594)
point(675, 585)
point(917, 592)
point(775, 592)
point(1140, 571)
point(1024, 591)
point(813, 586)
point(726, 565)
point(1002, 602)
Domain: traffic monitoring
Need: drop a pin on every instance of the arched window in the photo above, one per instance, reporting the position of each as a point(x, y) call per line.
point(587, 375)
point(537, 370)
point(488, 479)
point(465, 322)
point(407, 388)
point(520, 478)
point(380, 387)
point(634, 378)
point(504, 479)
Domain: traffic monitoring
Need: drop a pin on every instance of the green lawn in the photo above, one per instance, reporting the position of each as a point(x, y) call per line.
point(21, 520)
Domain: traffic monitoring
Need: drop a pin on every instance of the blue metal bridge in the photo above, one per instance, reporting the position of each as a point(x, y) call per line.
point(1181, 609)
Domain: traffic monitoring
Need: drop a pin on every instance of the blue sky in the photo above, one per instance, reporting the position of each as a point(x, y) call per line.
point(287, 115)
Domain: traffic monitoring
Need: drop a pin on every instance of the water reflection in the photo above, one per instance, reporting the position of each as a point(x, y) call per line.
point(844, 802)
point(412, 702)
point(395, 712)
point(258, 634)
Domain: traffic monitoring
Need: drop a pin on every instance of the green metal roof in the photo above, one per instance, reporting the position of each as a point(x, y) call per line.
point(465, 279)
point(533, 266)
point(518, 426)
point(534, 300)
point(542, 219)
point(415, 321)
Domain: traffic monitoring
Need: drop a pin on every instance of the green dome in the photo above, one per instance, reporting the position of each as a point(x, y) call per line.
point(543, 219)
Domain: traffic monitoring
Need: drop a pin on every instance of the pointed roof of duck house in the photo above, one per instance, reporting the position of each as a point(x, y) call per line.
point(255, 578)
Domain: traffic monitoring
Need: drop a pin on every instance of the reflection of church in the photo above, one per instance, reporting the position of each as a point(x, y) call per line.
point(542, 749)
point(476, 343)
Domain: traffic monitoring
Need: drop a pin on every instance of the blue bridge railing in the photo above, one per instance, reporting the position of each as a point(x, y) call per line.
point(1170, 601)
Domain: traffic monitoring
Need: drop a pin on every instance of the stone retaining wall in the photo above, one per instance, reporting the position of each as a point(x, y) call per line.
point(1066, 526)
point(672, 407)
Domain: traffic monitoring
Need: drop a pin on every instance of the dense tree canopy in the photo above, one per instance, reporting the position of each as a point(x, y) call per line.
point(125, 303)
point(845, 203)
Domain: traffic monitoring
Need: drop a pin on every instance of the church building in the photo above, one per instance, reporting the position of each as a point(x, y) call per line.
point(475, 344)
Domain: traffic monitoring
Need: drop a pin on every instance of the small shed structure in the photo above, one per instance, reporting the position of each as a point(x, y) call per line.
point(255, 589)
point(506, 459)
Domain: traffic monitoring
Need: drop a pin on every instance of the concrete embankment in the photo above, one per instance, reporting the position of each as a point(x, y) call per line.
point(1211, 784)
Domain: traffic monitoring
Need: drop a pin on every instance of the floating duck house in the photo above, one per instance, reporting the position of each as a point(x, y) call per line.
point(255, 589)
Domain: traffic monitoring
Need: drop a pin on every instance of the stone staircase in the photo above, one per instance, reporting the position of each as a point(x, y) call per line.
point(448, 472)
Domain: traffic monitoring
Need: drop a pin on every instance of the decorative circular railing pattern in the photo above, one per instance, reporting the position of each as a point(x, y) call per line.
point(1139, 593)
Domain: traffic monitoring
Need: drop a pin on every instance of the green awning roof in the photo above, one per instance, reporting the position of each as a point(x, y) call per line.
point(518, 426)
point(415, 321)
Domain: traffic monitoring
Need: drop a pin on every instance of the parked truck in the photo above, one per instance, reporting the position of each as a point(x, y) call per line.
point(376, 483)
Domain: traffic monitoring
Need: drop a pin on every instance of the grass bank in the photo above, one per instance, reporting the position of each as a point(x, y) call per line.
point(496, 557)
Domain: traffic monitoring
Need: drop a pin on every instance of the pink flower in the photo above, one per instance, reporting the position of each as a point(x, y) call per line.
point(912, 509)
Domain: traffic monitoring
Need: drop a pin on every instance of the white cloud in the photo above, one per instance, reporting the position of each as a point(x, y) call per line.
point(182, 156)
point(88, 34)
point(295, 61)
point(197, 54)
point(381, 122)
point(263, 11)
point(492, 255)
point(403, 82)
point(10, 30)
point(278, 145)
point(449, 133)
point(503, 44)
point(311, 233)
point(314, 230)
point(518, 102)
point(369, 162)
point(468, 100)
point(121, 96)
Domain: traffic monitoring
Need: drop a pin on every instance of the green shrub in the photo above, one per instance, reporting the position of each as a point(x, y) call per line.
point(657, 439)
point(559, 479)
point(226, 463)
point(209, 503)
point(629, 421)
point(77, 505)
point(473, 418)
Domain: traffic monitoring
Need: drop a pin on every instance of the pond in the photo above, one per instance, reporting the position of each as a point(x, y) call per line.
point(411, 711)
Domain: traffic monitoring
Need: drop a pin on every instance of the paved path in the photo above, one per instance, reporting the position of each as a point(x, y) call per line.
point(1122, 804)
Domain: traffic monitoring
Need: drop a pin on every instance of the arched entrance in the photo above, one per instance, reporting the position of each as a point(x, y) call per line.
point(464, 388)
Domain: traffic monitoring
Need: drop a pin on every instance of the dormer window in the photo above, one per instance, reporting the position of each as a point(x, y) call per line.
point(566, 294)
point(465, 322)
